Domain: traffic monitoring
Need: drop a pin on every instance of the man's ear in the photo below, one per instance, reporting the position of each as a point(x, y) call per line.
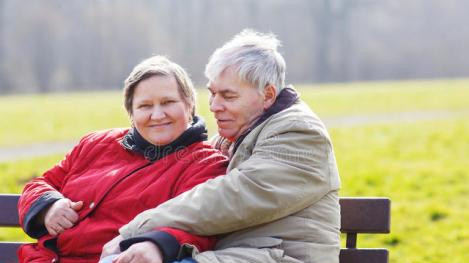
point(270, 94)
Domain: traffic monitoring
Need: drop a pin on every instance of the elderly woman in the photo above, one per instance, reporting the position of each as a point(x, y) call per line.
point(113, 175)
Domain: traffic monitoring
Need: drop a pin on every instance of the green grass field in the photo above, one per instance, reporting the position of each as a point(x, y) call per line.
point(58, 117)
point(422, 166)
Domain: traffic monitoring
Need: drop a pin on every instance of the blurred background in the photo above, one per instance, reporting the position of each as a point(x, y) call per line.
point(390, 78)
point(56, 45)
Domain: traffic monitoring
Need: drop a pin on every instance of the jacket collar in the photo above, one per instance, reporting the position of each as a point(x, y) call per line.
point(134, 142)
point(287, 97)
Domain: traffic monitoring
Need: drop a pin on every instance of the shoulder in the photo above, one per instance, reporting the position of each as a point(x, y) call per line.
point(95, 144)
point(298, 118)
point(104, 135)
point(96, 140)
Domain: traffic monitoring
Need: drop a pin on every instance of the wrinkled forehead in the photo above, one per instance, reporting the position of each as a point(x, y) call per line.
point(228, 81)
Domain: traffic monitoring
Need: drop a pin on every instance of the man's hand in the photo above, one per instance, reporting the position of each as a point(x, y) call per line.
point(61, 215)
point(112, 247)
point(144, 252)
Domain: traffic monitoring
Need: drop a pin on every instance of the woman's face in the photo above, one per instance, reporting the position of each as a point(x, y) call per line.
point(158, 111)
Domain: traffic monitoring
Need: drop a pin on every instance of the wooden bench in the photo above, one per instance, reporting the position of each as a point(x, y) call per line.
point(9, 218)
point(359, 215)
point(364, 215)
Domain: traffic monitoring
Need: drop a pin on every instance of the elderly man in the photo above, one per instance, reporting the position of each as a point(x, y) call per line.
point(279, 200)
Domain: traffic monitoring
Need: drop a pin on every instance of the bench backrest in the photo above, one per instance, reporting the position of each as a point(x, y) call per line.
point(358, 215)
point(364, 215)
point(8, 218)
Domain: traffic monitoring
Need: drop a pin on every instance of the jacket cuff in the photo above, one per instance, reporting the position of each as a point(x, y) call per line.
point(168, 244)
point(30, 224)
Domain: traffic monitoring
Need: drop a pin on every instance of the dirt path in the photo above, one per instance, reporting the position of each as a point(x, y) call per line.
point(44, 149)
point(33, 150)
point(394, 117)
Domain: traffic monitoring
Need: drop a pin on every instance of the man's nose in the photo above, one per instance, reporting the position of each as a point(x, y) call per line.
point(215, 104)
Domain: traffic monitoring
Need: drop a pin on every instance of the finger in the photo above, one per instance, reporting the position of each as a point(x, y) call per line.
point(71, 215)
point(124, 257)
point(57, 229)
point(51, 231)
point(64, 223)
point(53, 226)
point(76, 206)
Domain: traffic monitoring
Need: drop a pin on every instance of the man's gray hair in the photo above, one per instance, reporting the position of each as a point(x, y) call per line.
point(253, 56)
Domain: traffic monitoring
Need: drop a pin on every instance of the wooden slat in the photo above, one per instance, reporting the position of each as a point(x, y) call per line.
point(364, 255)
point(9, 210)
point(358, 215)
point(365, 215)
point(8, 252)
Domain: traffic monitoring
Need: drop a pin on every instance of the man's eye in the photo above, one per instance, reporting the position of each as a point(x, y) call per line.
point(168, 102)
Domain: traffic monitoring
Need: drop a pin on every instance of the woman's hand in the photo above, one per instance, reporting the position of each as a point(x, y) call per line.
point(112, 247)
point(144, 252)
point(61, 215)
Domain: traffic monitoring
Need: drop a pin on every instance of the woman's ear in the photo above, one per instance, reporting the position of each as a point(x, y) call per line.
point(191, 114)
point(270, 95)
point(131, 119)
point(191, 119)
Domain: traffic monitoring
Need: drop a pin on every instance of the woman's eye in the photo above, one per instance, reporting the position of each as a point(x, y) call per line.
point(143, 106)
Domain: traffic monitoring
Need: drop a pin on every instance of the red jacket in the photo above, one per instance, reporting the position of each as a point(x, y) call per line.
point(115, 185)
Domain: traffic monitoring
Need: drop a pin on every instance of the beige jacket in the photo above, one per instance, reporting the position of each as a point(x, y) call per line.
point(278, 202)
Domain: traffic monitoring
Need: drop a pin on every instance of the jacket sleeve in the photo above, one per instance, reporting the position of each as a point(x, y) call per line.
point(172, 242)
point(289, 170)
point(41, 192)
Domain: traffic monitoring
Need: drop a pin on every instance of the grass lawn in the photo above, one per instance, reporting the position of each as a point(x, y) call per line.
point(58, 117)
point(421, 166)
point(385, 97)
point(63, 117)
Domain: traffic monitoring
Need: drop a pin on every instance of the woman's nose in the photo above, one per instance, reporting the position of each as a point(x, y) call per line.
point(157, 113)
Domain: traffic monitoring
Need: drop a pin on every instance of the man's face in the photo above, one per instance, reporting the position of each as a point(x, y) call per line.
point(235, 104)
